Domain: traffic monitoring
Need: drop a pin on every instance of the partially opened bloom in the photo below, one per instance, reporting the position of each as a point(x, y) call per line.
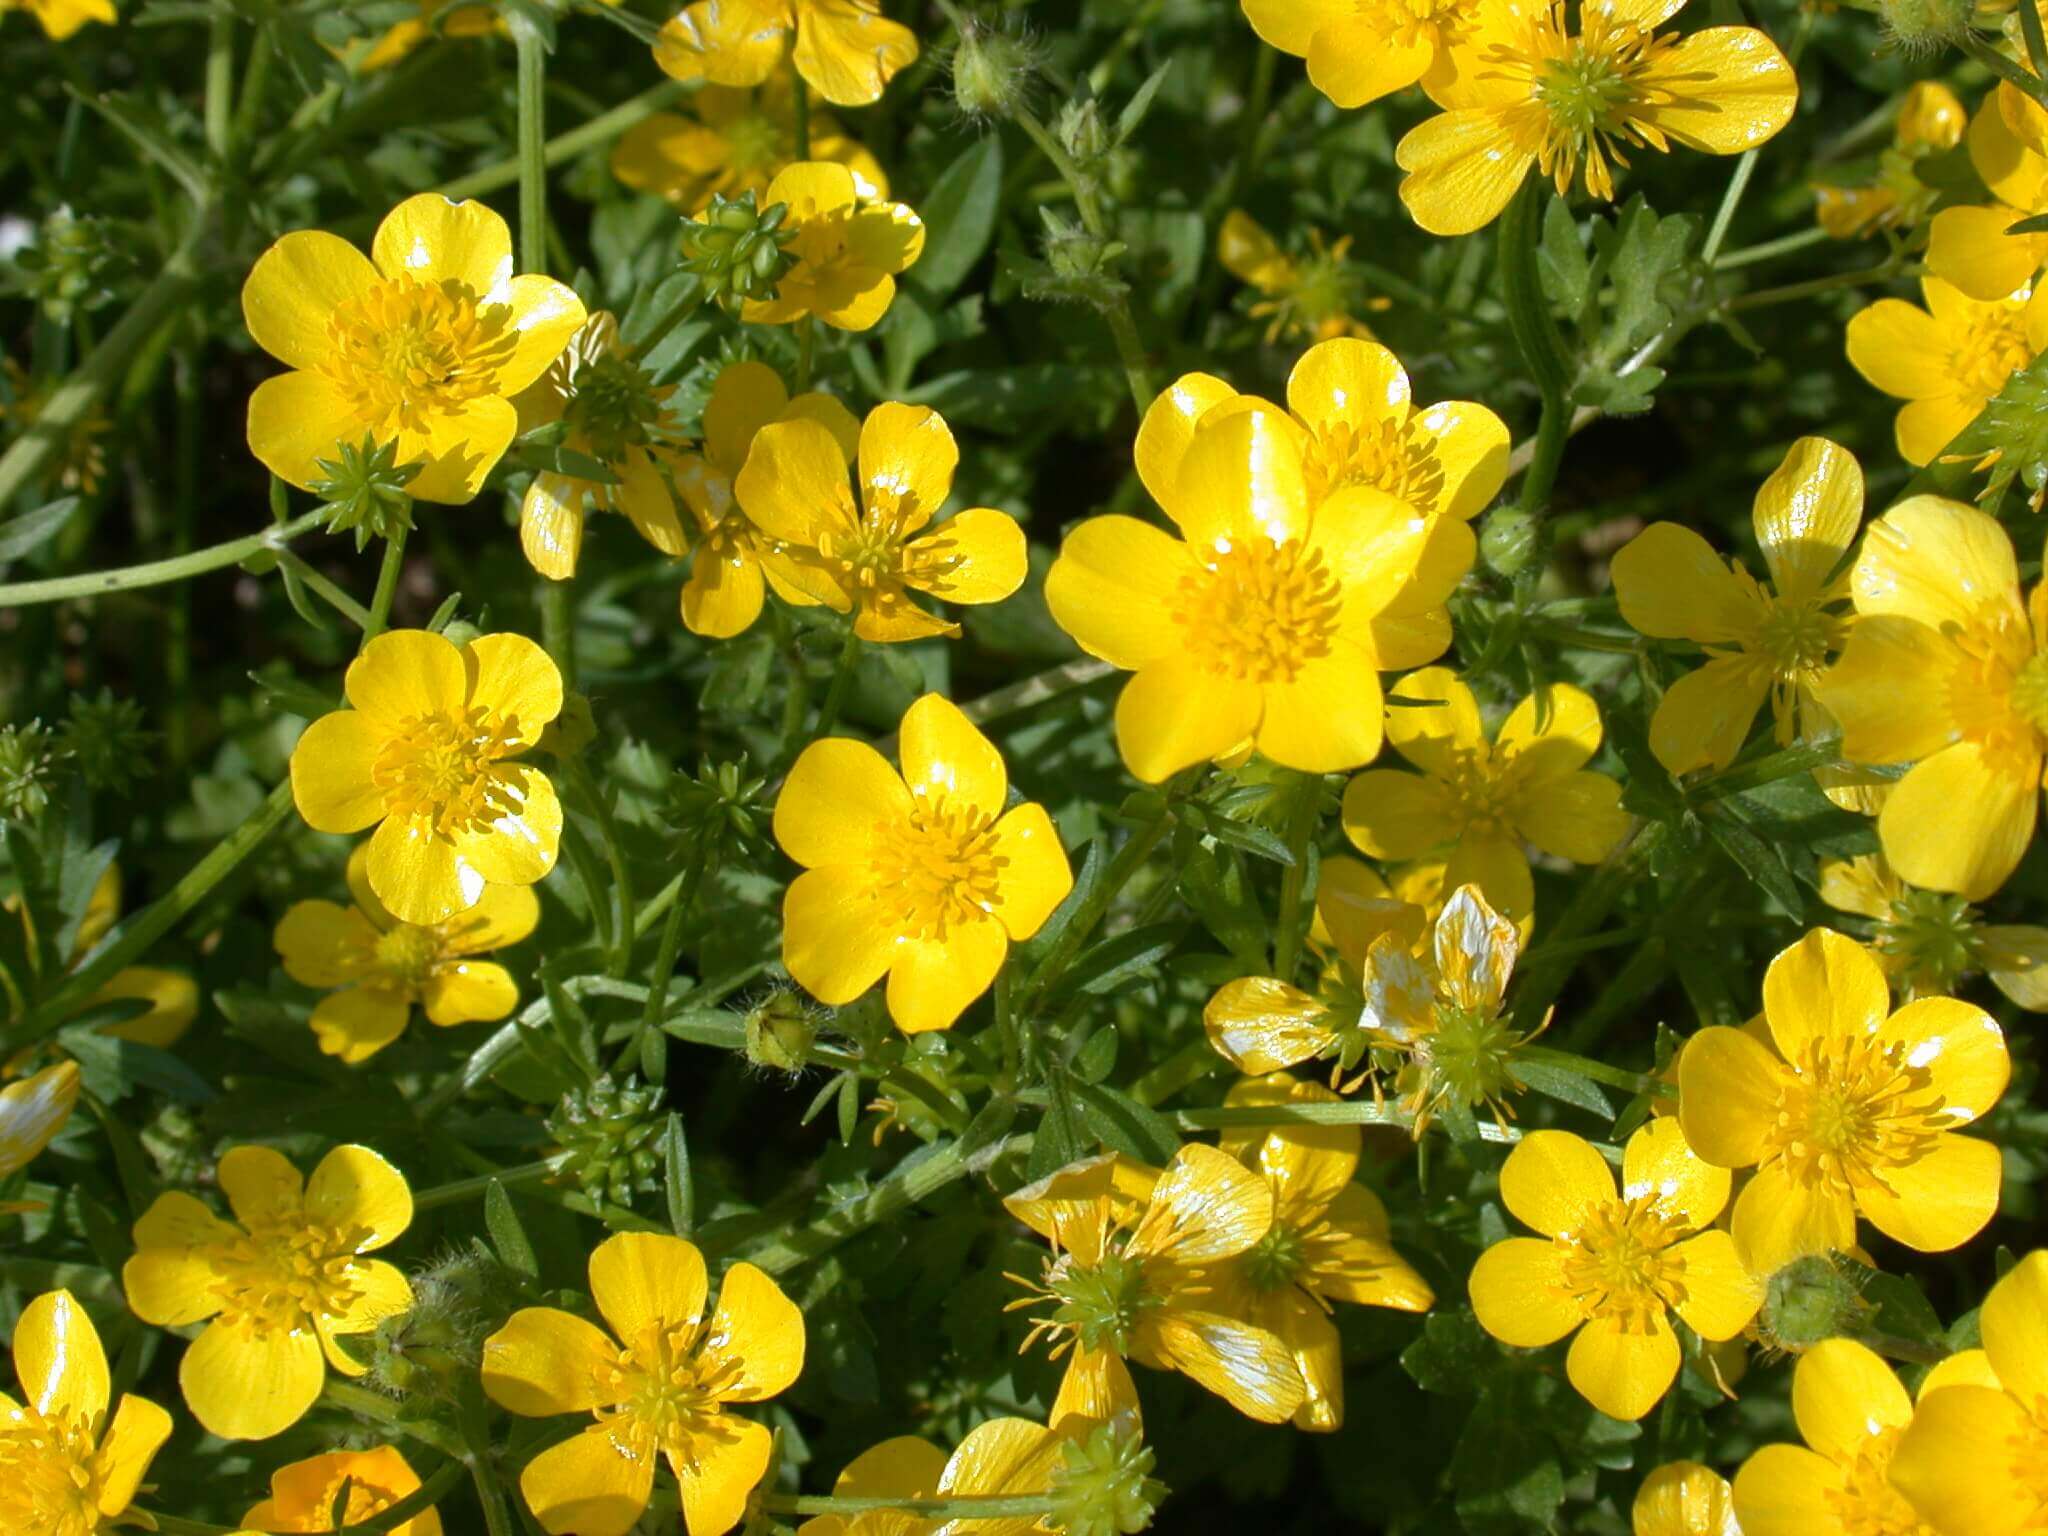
point(1931, 120)
point(661, 1384)
point(1851, 1413)
point(1257, 629)
point(61, 18)
point(1129, 1278)
point(997, 1457)
point(1683, 1498)
point(1855, 1114)
point(1762, 641)
point(1361, 50)
point(864, 549)
point(1946, 360)
point(422, 343)
point(1520, 92)
point(1946, 669)
point(379, 967)
point(1330, 1241)
point(1318, 297)
point(846, 50)
point(733, 141)
point(282, 1283)
point(848, 245)
point(1475, 803)
point(427, 755)
point(1927, 941)
point(66, 1468)
point(1971, 1462)
point(1969, 245)
point(303, 1495)
point(922, 876)
point(617, 415)
point(1612, 1267)
point(33, 1111)
point(734, 561)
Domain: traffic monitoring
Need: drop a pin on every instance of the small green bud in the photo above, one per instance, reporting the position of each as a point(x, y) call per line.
point(29, 755)
point(364, 489)
point(737, 249)
point(612, 1135)
point(1083, 132)
point(780, 1033)
point(2012, 434)
point(104, 735)
point(1103, 1485)
point(1920, 27)
point(1509, 541)
point(991, 72)
point(432, 1348)
point(720, 813)
point(1810, 1301)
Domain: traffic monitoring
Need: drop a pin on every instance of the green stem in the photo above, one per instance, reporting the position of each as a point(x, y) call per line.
point(220, 82)
point(1537, 337)
point(533, 144)
point(1893, 1347)
point(1769, 768)
point(1301, 827)
point(1236, 1117)
point(1599, 1072)
point(387, 585)
point(2001, 66)
point(900, 1190)
point(1784, 245)
point(806, 352)
point(1738, 183)
point(475, 1189)
point(326, 590)
point(624, 930)
point(842, 681)
point(966, 1507)
point(671, 943)
point(594, 134)
point(1763, 298)
point(154, 573)
point(1129, 859)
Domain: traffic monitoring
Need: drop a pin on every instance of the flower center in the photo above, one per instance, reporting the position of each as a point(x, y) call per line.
point(1099, 1303)
point(1866, 1504)
point(615, 407)
point(1934, 936)
point(1466, 1062)
point(1998, 692)
point(2030, 692)
point(1259, 612)
point(278, 1275)
point(405, 353)
point(47, 1482)
point(663, 1393)
point(869, 562)
point(1395, 457)
point(2028, 1453)
point(938, 868)
point(1410, 20)
point(364, 1499)
point(1585, 96)
point(1277, 1259)
point(1992, 350)
point(1618, 1263)
point(444, 769)
point(1797, 636)
point(1479, 795)
point(1854, 1109)
point(407, 953)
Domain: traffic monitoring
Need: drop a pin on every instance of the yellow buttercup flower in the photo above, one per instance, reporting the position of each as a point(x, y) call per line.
point(61, 18)
point(1477, 802)
point(282, 1283)
point(922, 876)
point(1946, 669)
point(616, 415)
point(1761, 640)
point(733, 559)
point(1361, 50)
point(436, 18)
point(846, 50)
point(1330, 1241)
point(847, 248)
point(32, 1112)
point(867, 552)
point(1969, 245)
point(1947, 360)
point(380, 967)
point(1610, 1268)
point(303, 1495)
point(997, 1457)
point(66, 1468)
point(1974, 1460)
point(1258, 630)
point(1523, 92)
point(423, 342)
point(1931, 120)
point(1316, 298)
point(1133, 1250)
point(170, 999)
point(662, 1382)
point(1855, 1114)
point(1851, 1413)
point(733, 141)
point(1683, 1498)
point(1928, 940)
point(427, 755)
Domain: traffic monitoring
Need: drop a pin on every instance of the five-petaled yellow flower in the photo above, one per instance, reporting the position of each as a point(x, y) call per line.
point(303, 1494)
point(281, 1284)
point(427, 755)
point(922, 876)
point(1130, 1277)
point(1946, 669)
point(66, 1468)
point(1361, 50)
point(734, 142)
point(1761, 641)
point(1611, 1268)
point(1684, 1498)
point(32, 1112)
point(734, 560)
point(1945, 361)
point(1969, 245)
point(997, 1457)
point(61, 18)
point(1316, 297)
point(1972, 1460)
point(1330, 1241)
point(1522, 91)
point(864, 549)
point(846, 50)
point(660, 1384)
point(1477, 802)
point(1930, 120)
point(424, 342)
point(1928, 940)
point(847, 246)
point(1257, 628)
point(380, 967)
point(1851, 1413)
point(1855, 1113)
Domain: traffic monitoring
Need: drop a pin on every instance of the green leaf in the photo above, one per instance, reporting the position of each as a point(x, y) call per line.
point(508, 1237)
point(1505, 1470)
point(1106, 966)
point(113, 1068)
point(1561, 260)
point(1565, 1086)
point(959, 217)
point(20, 535)
point(1097, 1057)
point(1058, 1140)
point(1123, 1124)
point(1134, 111)
point(682, 1198)
point(1453, 1355)
point(1902, 1308)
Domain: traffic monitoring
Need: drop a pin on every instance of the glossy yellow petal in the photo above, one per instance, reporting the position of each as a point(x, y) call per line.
point(405, 673)
point(723, 595)
point(1889, 690)
point(1961, 820)
point(2015, 1324)
point(262, 1186)
point(731, 42)
point(1394, 815)
point(1964, 1368)
point(1577, 817)
point(1386, 557)
point(1704, 718)
point(1806, 515)
point(1326, 719)
point(1553, 1181)
point(377, 1290)
point(297, 285)
point(1622, 1372)
point(1825, 987)
point(590, 1484)
point(419, 875)
point(1954, 1467)
point(849, 52)
point(905, 1467)
point(1206, 1206)
point(1720, 1295)
point(839, 798)
point(1173, 714)
point(244, 1384)
point(1348, 382)
point(1259, 1024)
point(1096, 1386)
point(1475, 950)
point(1778, 1218)
point(1787, 1490)
point(545, 1361)
point(1291, 25)
point(521, 845)
point(1659, 1163)
point(439, 240)
point(1941, 1199)
point(33, 1111)
point(1250, 254)
point(1306, 1329)
point(932, 981)
point(1930, 116)
point(1036, 876)
point(1518, 1291)
point(1463, 168)
point(132, 1438)
point(517, 679)
point(1728, 1086)
point(58, 1358)
point(1683, 1498)
point(1354, 907)
point(760, 1332)
point(1558, 745)
point(746, 397)
point(1355, 65)
point(322, 944)
point(1842, 1394)
point(1169, 427)
point(907, 459)
point(1000, 1456)
point(1249, 1368)
point(794, 485)
point(1433, 721)
point(355, 1189)
point(1900, 348)
point(1472, 447)
point(469, 992)
point(1241, 480)
point(1352, 1261)
point(1969, 247)
point(836, 942)
point(545, 314)
point(1729, 89)
point(171, 1279)
point(646, 1281)
point(503, 916)
point(975, 556)
point(1960, 1047)
point(1399, 1000)
point(724, 1463)
point(1672, 586)
point(1937, 561)
point(358, 1022)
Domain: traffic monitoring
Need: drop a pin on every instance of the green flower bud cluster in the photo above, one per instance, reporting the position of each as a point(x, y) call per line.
point(2013, 431)
point(992, 72)
point(1920, 27)
point(66, 268)
point(104, 736)
point(430, 1350)
point(611, 1132)
point(720, 813)
point(1103, 1485)
point(364, 489)
point(736, 249)
point(29, 755)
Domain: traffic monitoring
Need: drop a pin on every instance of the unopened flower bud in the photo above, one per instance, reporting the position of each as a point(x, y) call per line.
point(611, 1133)
point(1919, 27)
point(1810, 1301)
point(780, 1033)
point(1509, 541)
point(736, 249)
point(1103, 1485)
point(991, 72)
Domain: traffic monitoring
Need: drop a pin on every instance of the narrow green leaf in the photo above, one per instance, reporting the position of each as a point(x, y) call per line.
point(508, 1236)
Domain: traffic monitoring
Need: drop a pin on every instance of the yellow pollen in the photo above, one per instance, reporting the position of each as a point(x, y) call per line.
point(1992, 350)
point(1866, 1504)
point(281, 1274)
point(407, 953)
point(405, 353)
point(2027, 1451)
point(2030, 692)
point(1986, 697)
point(364, 1499)
point(1855, 1109)
point(1396, 457)
point(664, 1393)
point(939, 868)
point(47, 1481)
point(445, 769)
point(1479, 791)
point(1259, 611)
point(1618, 1263)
